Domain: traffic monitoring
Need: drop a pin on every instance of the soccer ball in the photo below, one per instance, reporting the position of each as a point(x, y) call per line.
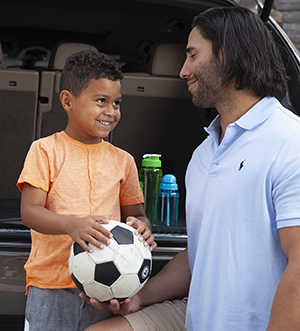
point(118, 271)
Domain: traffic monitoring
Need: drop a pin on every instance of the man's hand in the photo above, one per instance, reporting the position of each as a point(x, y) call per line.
point(118, 308)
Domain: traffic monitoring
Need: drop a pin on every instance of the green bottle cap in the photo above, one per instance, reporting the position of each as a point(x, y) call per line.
point(151, 160)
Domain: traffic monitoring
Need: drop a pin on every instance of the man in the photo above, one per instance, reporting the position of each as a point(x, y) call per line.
point(242, 264)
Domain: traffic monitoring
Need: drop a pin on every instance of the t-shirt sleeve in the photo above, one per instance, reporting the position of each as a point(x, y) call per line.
point(130, 191)
point(286, 184)
point(36, 168)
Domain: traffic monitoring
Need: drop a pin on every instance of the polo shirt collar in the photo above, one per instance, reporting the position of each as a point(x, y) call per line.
point(253, 117)
point(258, 113)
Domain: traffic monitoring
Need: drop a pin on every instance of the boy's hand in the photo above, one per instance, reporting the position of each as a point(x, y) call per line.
point(143, 230)
point(89, 229)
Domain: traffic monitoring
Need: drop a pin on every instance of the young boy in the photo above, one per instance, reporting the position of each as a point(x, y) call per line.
point(73, 181)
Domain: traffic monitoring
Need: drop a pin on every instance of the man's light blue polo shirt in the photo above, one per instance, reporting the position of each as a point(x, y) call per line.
point(238, 194)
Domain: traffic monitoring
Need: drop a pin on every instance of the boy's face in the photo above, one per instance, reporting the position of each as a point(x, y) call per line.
point(95, 112)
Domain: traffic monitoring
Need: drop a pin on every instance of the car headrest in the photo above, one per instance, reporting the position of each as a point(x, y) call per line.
point(1, 56)
point(166, 59)
point(62, 51)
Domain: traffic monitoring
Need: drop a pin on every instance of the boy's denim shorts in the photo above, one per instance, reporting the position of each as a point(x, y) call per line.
point(61, 309)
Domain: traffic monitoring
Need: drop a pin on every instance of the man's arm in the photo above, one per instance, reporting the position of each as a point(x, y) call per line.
point(171, 282)
point(285, 313)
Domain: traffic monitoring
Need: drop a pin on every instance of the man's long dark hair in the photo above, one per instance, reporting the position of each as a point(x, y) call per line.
point(249, 54)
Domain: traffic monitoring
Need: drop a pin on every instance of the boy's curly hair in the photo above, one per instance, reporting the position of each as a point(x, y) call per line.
point(81, 67)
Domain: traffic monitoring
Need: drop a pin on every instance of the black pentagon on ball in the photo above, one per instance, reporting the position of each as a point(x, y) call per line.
point(78, 284)
point(144, 271)
point(106, 273)
point(122, 236)
point(77, 249)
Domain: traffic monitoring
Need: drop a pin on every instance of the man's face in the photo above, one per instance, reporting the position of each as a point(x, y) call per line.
point(202, 70)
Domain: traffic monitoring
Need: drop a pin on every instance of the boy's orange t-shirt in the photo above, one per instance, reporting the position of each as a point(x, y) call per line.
point(80, 180)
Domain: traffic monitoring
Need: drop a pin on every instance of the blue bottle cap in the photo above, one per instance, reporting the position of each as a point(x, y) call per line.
point(168, 182)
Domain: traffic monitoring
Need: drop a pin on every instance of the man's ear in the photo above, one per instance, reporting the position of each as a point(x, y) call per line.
point(66, 100)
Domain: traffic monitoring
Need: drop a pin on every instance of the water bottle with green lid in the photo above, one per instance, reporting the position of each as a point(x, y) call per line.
point(150, 176)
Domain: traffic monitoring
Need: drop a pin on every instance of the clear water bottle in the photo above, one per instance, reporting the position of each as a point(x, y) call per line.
point(167, 202)
point(150, 176)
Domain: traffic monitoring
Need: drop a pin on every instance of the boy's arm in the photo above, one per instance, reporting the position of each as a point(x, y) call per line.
point(37, 217)
point(134, 215)
point(136, 211)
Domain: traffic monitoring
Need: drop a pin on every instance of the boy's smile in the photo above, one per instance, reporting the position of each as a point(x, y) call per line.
point(95, 112)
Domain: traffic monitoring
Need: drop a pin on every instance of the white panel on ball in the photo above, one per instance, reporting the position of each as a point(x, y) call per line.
point(99, 291)
point(124, 285)
point(128, 258)
point(106, 254)
point(83, 268)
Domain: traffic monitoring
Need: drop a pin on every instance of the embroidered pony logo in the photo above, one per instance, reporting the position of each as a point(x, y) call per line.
point(241, 165)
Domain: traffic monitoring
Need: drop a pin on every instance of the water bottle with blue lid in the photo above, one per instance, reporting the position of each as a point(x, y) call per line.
point(167, 202)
